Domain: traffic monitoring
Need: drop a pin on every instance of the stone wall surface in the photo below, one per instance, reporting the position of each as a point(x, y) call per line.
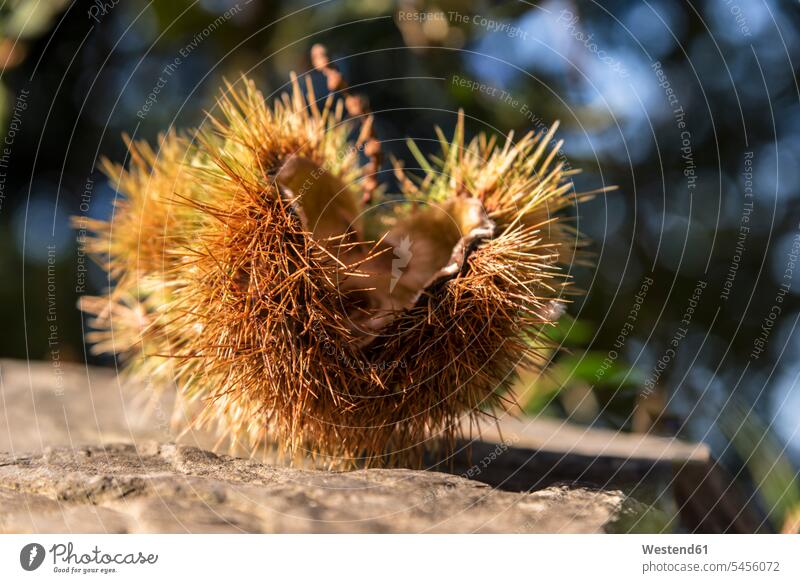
point(85, 451)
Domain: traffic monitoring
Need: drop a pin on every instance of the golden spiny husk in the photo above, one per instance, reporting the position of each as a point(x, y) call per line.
point(225, 288)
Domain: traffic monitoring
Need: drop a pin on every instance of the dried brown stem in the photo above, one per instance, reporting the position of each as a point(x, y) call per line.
point(357, 106)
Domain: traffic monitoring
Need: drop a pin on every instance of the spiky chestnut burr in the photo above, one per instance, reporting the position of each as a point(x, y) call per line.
point(251, 274)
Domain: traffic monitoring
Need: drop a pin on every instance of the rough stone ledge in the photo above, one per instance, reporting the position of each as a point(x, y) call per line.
point(163, 487)
point(629, 482)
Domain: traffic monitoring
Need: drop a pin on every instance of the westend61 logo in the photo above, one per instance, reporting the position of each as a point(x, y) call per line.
point(67, 560)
